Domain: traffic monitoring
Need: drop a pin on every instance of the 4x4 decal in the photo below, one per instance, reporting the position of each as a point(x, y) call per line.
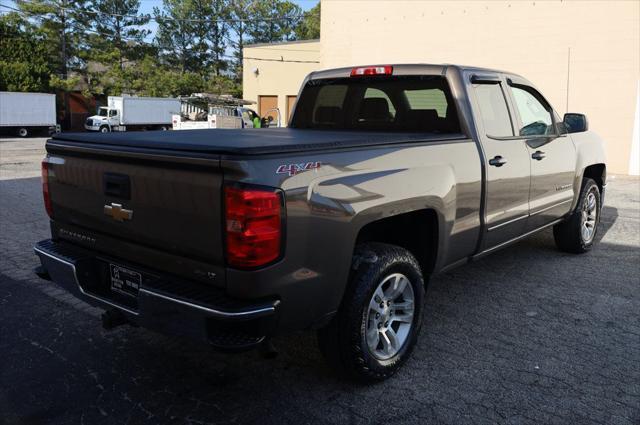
point(293, 169)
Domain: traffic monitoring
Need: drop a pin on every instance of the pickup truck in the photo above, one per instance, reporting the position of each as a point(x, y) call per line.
point(385, 176)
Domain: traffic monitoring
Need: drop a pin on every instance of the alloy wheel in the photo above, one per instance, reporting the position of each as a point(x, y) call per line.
point(589, 217)
point(390, 316)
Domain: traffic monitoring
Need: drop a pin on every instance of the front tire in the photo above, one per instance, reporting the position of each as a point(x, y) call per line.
point(104, 129)
point(577, 234)
point(377, 325)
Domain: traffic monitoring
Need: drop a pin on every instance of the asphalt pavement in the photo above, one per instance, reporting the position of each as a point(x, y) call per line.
point(528, 335)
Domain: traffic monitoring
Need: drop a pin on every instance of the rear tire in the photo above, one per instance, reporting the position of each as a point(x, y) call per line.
point(577, 234)
point(23, 132)
point(379, 319)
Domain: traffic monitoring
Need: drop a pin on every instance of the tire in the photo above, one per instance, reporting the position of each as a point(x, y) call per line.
point(344, 341)
point(164, 128)
point(104, 129)
point(23, 132)
point(573, 235)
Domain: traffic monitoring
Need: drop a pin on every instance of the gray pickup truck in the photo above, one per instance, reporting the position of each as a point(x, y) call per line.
point(385, 176)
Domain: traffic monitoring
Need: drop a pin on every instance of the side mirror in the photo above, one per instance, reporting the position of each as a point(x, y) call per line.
point(575, 123)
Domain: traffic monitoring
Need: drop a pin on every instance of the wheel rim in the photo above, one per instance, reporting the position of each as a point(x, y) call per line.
point(23, 132)
point(589, 217)
point(390, 316)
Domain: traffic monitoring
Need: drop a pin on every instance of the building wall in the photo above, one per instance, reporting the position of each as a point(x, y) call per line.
point(277, 69)
point(583, 55)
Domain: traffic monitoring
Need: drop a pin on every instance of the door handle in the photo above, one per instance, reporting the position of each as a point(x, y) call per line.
point(497, 161)
point(538, 155)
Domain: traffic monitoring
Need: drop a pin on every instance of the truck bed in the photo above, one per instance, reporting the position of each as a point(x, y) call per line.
point(249, 141)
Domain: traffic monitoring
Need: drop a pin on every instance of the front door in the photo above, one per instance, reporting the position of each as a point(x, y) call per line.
point(507, 164)
point(553, 160)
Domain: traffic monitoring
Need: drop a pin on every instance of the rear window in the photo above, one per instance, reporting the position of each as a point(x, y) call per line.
point(399, 103)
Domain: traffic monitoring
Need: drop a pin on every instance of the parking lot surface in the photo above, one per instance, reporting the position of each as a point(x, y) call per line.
point(528, 335)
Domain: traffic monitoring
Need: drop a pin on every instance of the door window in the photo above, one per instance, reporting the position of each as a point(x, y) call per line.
point(493, 110)
point(535, 114)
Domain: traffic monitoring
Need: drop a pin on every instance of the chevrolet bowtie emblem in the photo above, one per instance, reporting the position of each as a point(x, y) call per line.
point(118, 213)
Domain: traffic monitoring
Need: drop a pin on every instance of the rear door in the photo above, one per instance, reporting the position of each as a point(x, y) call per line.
point(553, 159)
point(507, 162)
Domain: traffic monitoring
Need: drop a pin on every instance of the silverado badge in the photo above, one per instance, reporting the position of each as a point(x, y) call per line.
point(118, 213)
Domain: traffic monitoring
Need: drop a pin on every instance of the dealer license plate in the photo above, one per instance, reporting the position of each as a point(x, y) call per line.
point(125, 281)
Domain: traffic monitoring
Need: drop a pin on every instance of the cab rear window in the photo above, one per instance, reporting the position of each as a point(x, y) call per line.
point(398, 103)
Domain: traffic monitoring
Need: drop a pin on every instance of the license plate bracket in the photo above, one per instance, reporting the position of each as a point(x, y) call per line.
point(125, 281)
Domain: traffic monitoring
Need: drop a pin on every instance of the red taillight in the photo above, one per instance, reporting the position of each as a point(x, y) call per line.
point(371, 70)
point(253, 220)
point(45, 188)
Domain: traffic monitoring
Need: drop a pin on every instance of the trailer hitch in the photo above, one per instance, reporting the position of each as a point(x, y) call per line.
point(113, 318)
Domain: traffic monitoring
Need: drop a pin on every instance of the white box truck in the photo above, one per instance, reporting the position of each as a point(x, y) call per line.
point(126, 113)
point(23, 114)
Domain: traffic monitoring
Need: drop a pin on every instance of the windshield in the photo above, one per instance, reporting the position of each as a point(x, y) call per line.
point(102, 112)
point(398, 103)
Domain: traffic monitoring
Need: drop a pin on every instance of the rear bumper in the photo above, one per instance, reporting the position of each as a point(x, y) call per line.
point(164, 304)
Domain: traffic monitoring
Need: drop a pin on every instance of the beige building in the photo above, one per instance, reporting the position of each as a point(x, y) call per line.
point(272, 74)
point(583, 55)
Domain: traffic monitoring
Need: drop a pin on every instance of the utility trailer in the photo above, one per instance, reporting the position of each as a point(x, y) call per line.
point(127, 113)
point(23, 114)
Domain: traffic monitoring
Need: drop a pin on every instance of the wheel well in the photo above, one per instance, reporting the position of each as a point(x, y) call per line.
point(597, 172)
point(416, 231)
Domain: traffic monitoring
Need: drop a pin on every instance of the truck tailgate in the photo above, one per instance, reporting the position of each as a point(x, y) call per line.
point(172, 207)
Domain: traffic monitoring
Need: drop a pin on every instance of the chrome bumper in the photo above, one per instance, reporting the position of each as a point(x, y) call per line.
point(232, 325)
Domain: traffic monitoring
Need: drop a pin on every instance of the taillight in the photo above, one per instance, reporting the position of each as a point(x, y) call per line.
point(253, 220)
point(46, 195)
point(363, 71)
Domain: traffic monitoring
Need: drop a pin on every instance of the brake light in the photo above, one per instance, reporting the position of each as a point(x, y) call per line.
point(253, 220)
point(46, 195)
point(371, 70)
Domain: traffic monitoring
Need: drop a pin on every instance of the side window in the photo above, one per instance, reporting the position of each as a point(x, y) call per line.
point(534, 114)
point(493, 110)
point(427, 99)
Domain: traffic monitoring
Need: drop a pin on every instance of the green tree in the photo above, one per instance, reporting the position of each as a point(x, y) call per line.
point(309, 26)
point(218, 33)
point(64, 24)
point(273, 20)
point(182, 32)
point(117, 27)
point(23, 56)
point(239, 13)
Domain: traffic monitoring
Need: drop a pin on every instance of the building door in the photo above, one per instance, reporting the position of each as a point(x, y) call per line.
point(267, 106)
point(507, 164)
point(291, 101)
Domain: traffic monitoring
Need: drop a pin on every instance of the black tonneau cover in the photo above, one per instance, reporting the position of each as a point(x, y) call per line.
point(249, 141)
